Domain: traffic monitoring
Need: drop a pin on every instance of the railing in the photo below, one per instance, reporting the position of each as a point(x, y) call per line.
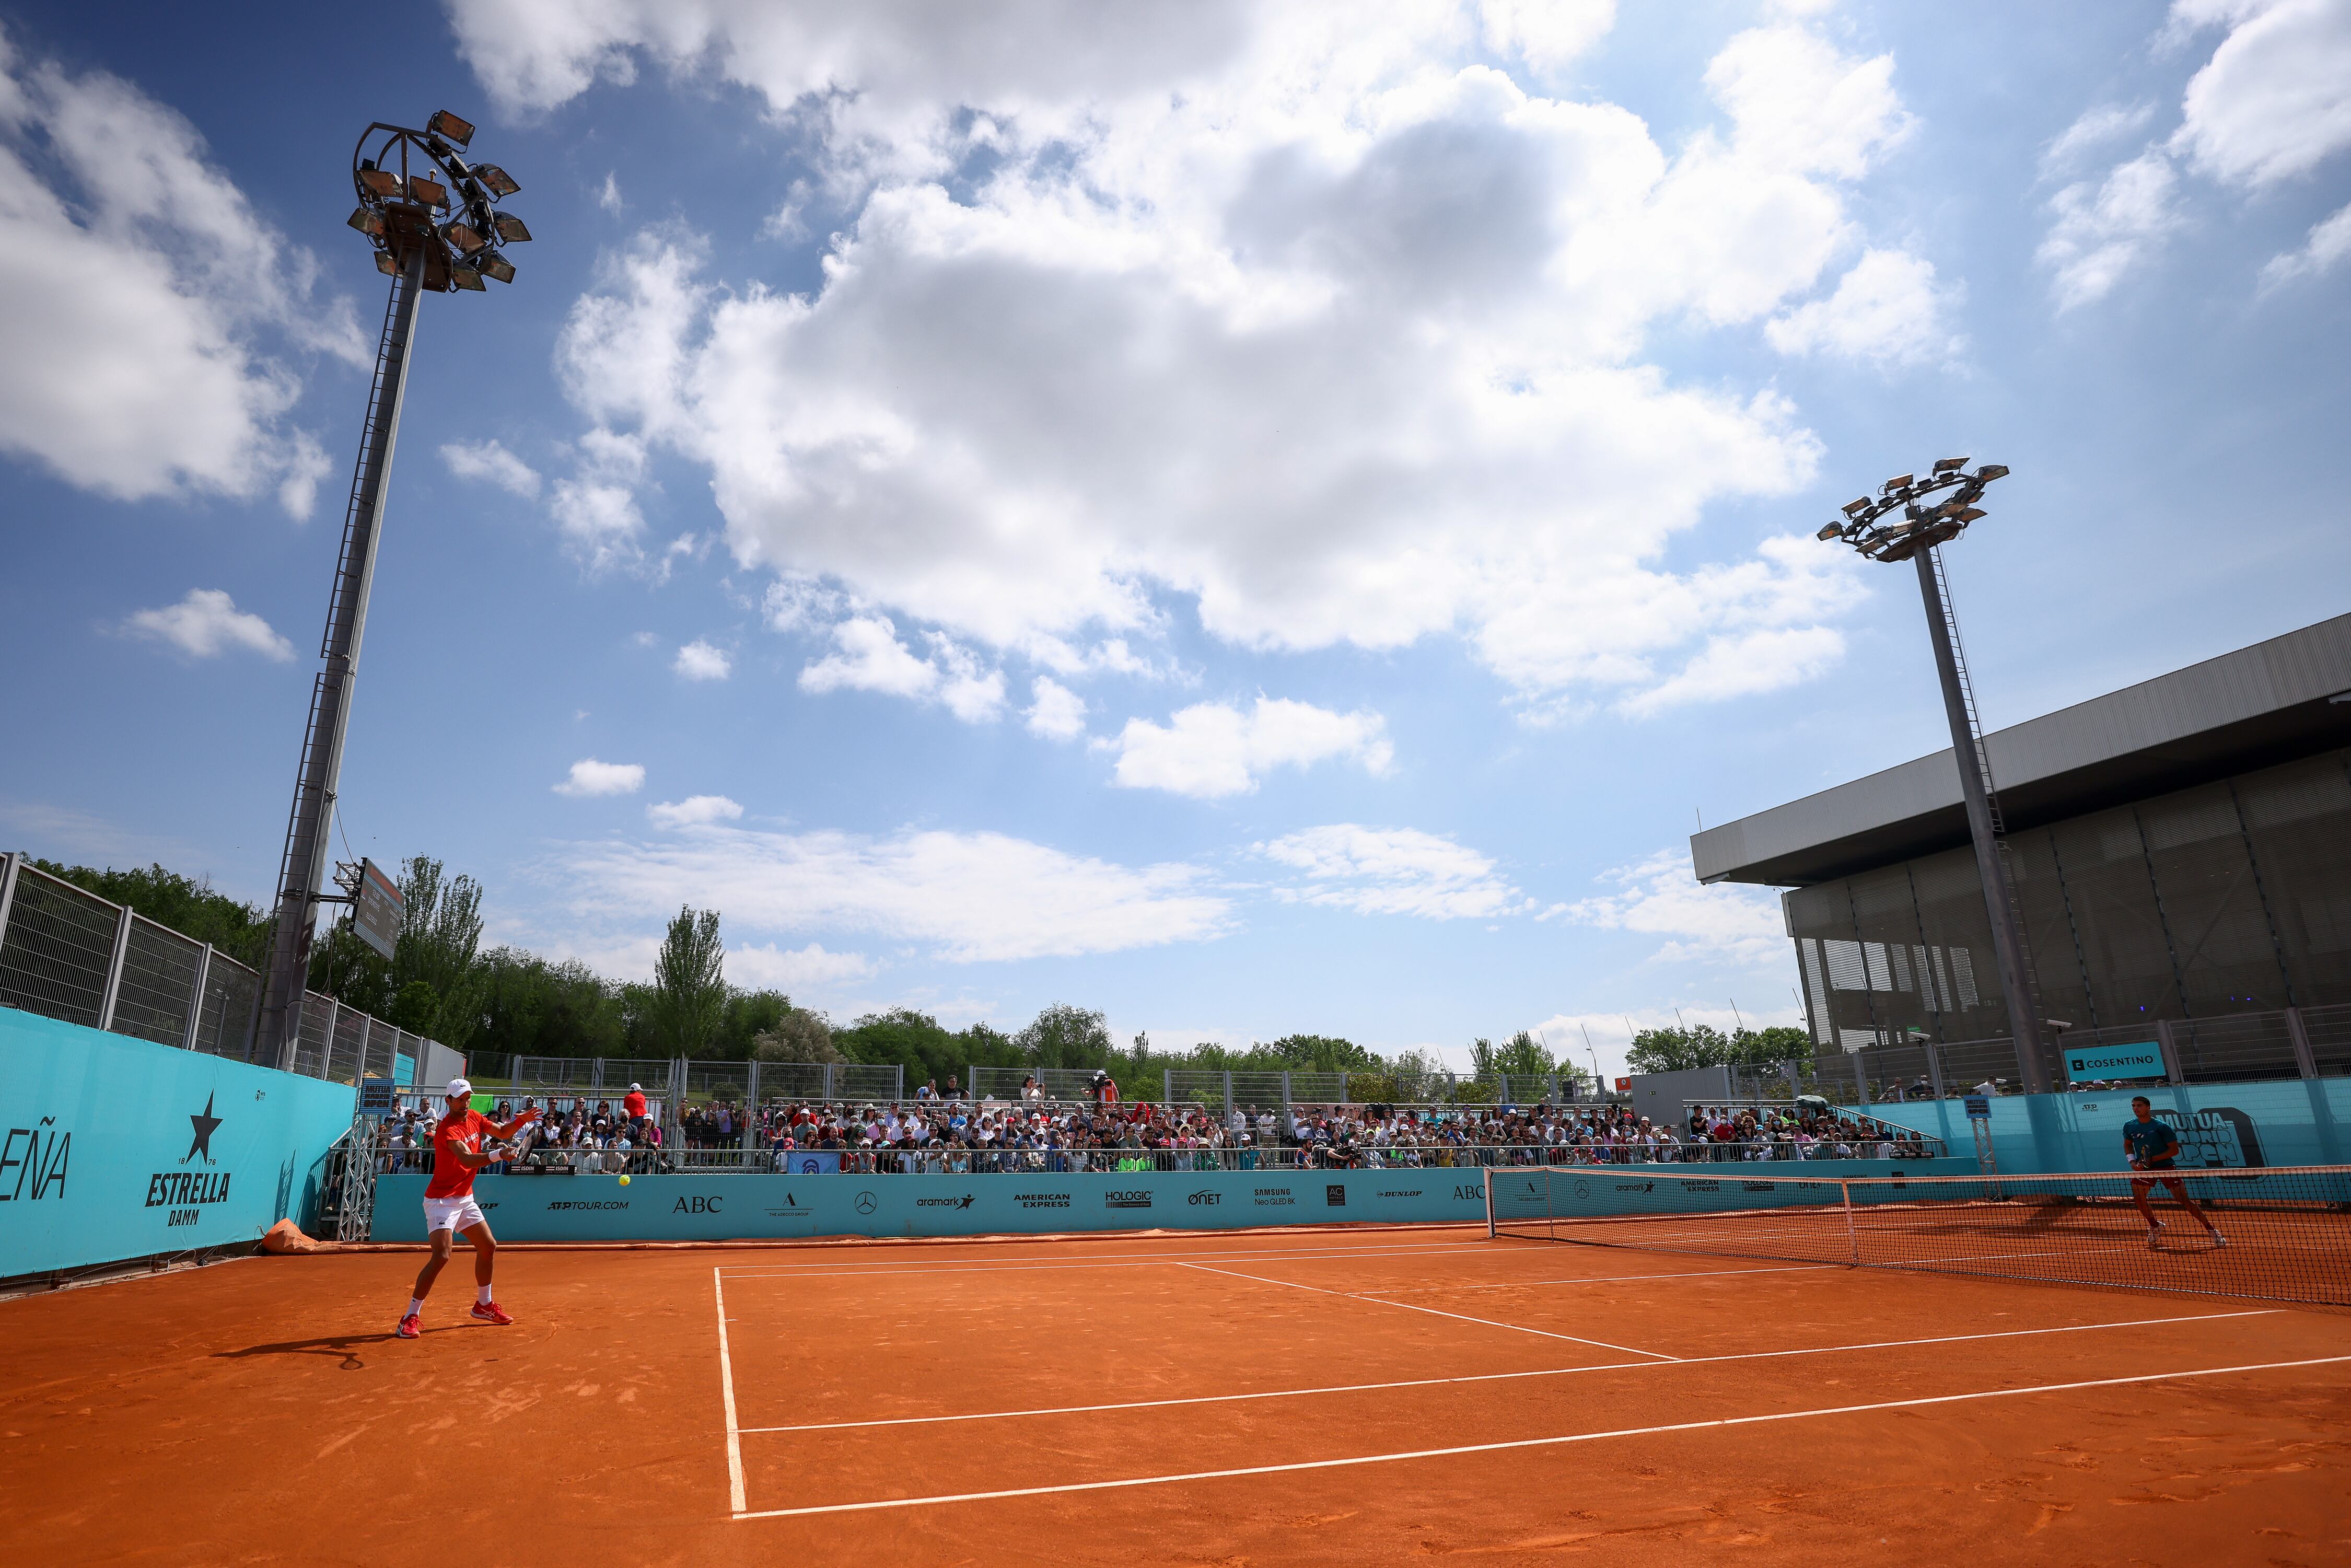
point(70, 954)
point(938, 1160)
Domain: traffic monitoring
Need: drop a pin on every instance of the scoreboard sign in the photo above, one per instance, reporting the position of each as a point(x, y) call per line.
point(377, 911)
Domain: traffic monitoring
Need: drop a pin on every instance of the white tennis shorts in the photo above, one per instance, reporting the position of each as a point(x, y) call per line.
point(451, 1214)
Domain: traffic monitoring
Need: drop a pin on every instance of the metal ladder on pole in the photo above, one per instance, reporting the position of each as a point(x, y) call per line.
point(1982, 762)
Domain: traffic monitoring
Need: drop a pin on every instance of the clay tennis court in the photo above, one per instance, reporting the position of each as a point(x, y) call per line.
point(1305, 1396)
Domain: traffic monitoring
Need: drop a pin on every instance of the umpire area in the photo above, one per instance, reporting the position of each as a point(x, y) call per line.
point(1308, 1396)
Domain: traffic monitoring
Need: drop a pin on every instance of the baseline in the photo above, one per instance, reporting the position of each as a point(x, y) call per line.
point(1505, 1377)
point(1534, 1442)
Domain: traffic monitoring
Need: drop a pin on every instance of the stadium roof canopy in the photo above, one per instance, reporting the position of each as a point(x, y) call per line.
point(2271, 703)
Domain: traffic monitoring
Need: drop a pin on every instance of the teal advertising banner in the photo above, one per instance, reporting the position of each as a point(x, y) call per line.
point(2145, 1060)
point(769, 1207)
point(112, 1148)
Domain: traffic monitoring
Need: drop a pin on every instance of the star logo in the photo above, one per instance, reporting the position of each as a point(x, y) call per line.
point(203, 1122)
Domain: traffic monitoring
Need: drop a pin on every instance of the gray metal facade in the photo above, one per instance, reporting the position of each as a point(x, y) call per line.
point(2269, 702)
point(2229, 897)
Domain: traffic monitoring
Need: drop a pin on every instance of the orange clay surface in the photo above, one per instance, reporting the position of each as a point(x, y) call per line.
point(260, 1411)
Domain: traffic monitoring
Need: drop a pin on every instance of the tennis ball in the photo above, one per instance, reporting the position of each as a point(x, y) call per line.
point(625, 1181)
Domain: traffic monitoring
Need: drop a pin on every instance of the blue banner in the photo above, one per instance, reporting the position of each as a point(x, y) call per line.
point(713, 1208)
point(112, 1148)
point(2087, 1063)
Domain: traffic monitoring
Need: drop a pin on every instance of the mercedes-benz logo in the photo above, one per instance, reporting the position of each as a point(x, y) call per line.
point(1582, 1188)
point(865, 1203)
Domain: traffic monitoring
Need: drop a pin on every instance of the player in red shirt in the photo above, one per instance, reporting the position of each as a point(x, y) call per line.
point(459, 1151)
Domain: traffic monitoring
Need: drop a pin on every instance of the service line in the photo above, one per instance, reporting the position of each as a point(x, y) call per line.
point(1432, 1311)
point(1536, 1442)
point(1510, 1376)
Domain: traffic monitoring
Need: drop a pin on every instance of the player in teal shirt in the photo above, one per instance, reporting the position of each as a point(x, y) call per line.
point(2152, 1145)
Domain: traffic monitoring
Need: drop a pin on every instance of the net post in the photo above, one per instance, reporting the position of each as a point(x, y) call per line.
point(1852, 1236)
point(1491, 1231)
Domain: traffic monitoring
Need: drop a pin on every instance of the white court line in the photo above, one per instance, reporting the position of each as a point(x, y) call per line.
point(726, 1386)
point(1432, 1311)
point(1110, 1261)
point(1538, 1442)
point(1600, 1279)
point(1510, 1376)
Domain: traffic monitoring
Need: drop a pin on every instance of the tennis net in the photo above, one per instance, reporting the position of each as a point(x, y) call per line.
point(2287, 1230)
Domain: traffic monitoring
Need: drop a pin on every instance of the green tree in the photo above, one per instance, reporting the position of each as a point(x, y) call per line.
point(439, 947)
point(1323, 1053)
point(1067, 1036)
point(1523, 1054)
point(689, 1000)
point(745, 1017)
point(799, 1036)
point(185, 904)
point(1702, 1045)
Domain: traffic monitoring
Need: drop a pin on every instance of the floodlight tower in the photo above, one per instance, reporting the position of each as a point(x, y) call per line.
point(1924, 525)
point(430, 216)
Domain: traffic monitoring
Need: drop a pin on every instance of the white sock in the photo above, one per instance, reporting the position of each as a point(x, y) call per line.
point(483, 1295)
point(416, 1306)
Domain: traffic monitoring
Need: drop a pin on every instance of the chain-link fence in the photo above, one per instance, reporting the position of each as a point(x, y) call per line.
point(70, 954)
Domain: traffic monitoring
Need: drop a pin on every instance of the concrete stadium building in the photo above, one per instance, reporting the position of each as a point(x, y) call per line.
point(2182, 852)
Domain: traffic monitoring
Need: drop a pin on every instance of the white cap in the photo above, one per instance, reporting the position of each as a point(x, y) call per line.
point(458, 1088)
point(636, 1088)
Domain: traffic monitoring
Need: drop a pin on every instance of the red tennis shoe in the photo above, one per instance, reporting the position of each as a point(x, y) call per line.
point(491, 1312)
point(410, 1326)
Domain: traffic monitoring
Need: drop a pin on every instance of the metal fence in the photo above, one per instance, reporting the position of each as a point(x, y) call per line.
point(70, 954)
point(1186, 1086)
point(746, 1081)
point(2285, 1042)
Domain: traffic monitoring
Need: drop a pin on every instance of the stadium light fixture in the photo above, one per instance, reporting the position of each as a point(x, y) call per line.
point(403, 177)
point(1914, 538)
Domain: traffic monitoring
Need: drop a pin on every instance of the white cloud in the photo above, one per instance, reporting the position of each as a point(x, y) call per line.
point(2329, 243)
point(793, 968)
point(2275, 98)
point(1743, 664)
point(693, 812)
point(1055, 711)
point(1545, 34)
point(207, 623)
point(1305, 315)
point(867, 656)
point(2271, 103)
point(2105, 229)
point(144, 303)
point(1887, 308)
point(698, 661)
point(608, 197)
point(2096, 127)
point(491, 463)
point(1213, 750)
point(965, 897)
point(1661, 896)
point(590, 777)
point(1393, 871)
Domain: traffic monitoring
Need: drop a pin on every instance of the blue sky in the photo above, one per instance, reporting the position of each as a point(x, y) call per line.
point(1252, 519)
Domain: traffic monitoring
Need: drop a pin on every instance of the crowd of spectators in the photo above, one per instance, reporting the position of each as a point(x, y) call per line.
point(955, 1135)
point(947, 1133)
point(579, 1134)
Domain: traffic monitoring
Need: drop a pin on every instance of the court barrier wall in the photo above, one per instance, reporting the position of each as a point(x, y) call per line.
point(718, 1207)
point(114, 1148)
point(2268, 1122)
